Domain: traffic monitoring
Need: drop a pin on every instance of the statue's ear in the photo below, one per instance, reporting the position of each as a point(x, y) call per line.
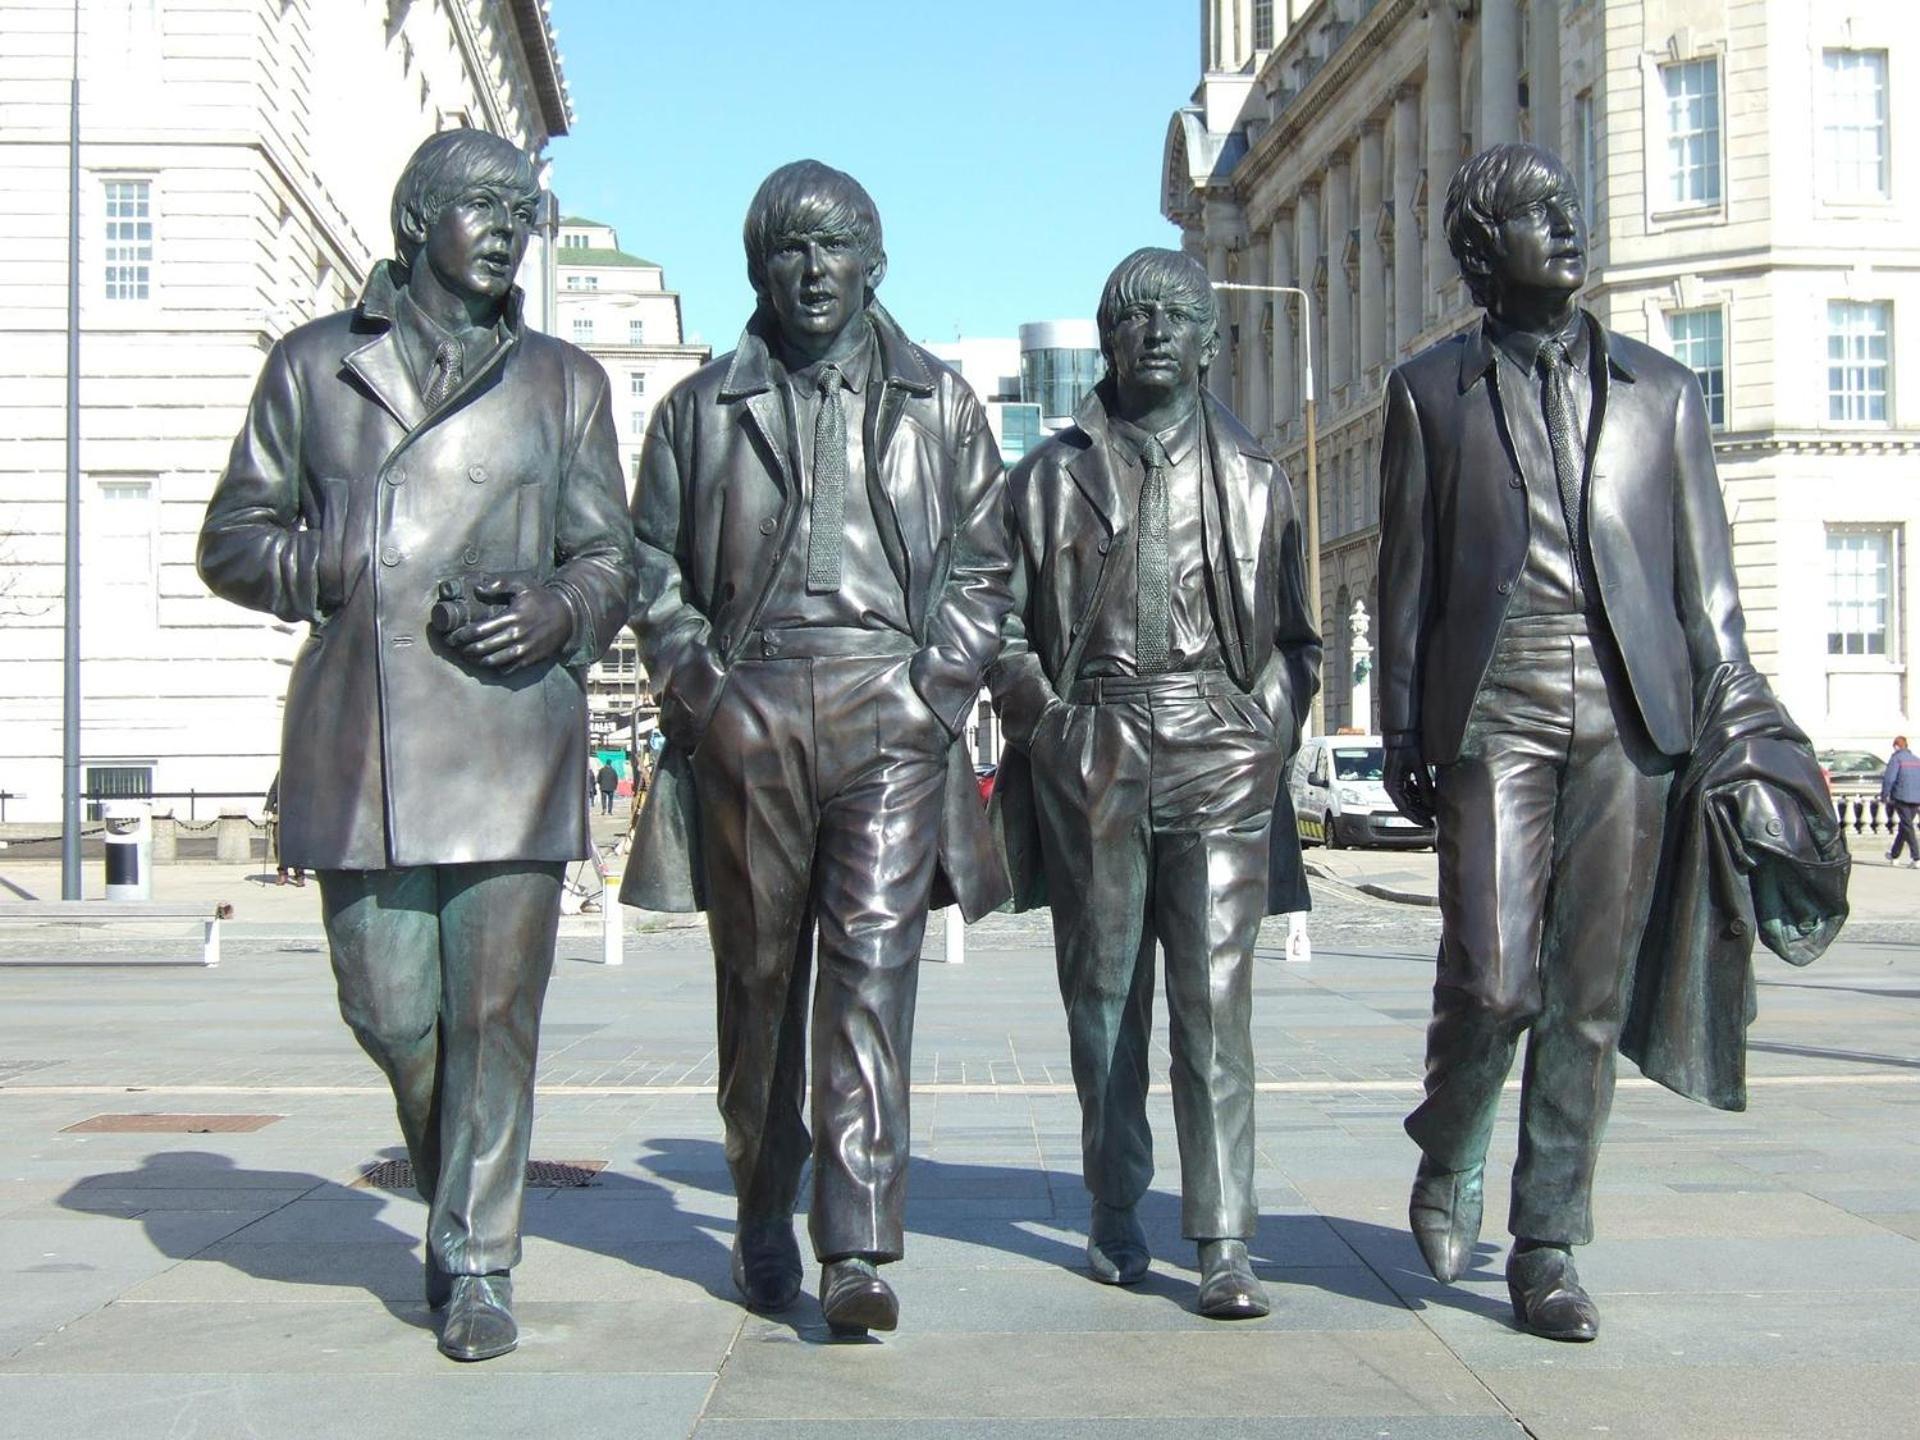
point(413, 225)
point(1210, 348)
point(876, 270)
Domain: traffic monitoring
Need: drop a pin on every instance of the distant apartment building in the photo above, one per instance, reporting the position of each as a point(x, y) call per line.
point(237, 162)
point(617, 308)
point(1751, 213)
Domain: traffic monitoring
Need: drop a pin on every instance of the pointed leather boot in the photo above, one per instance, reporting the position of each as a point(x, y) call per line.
point(855, 1299)
point(1229, 1290)
point(1444, 1214)
point(1116, 1245)
point(1547, 1298)
point(479, 1323)
point(766, 1264)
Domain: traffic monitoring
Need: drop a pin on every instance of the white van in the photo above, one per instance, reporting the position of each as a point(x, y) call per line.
point(1338, 798)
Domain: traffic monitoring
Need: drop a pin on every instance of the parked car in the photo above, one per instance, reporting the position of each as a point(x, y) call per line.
point(1338, 797)
point(1852, 769)
point(983, 776)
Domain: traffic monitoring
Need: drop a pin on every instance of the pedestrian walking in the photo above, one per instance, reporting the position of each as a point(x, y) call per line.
point(1900, 788)
point(270, 814)
point(609, 781)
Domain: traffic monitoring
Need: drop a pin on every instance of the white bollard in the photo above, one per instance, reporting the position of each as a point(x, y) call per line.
point(1299, 947)
point(612, 931)
point(956, 936)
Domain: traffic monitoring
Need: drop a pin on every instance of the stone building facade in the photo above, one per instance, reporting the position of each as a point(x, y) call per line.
point(237, 162)
point(1752, 211)
point(617, 308)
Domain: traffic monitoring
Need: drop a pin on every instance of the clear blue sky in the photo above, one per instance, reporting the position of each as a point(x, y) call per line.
point(1013, 148)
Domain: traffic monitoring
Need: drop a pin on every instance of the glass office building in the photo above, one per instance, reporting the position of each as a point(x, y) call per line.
point(1059, 363)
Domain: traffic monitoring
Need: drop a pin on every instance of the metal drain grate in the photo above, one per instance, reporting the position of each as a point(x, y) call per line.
point(171, 1124)
point(541, 1174)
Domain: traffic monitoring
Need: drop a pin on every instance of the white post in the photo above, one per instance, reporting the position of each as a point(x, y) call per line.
point(612, 933)
point(956, 936)
point(210, 943)
point(1299, 948)
point(1361, 648)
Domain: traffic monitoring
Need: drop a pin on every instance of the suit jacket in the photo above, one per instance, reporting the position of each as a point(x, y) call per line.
point(1068, 516)
point(1454, 534)
point(345, 505)
point(1749, 820)
point(714, 513)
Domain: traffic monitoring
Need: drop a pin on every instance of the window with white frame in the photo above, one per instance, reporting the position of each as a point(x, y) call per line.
point(637, 382)
point(574, 241)
point(1692, 89)
point(127, 237)
point(120, 578)
point(583, 282)
point(636, 332)
point(1853, 125)
point(582, 329)
point(1698, 339)
point(1263, 24)
point(639, 422)
point(1860, 570)
point(1587, 156)
point(1859, 344)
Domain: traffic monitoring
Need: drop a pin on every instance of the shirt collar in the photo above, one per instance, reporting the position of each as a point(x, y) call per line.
point(1522, 347)
point(854, 369)
point(1179, 439)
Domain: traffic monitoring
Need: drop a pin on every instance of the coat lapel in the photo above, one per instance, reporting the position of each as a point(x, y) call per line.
point(1236, 527)
point(383, 369)
point(1603, 441)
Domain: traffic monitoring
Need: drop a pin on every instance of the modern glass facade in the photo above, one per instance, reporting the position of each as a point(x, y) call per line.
point(1020, 431)
point(1060, 362)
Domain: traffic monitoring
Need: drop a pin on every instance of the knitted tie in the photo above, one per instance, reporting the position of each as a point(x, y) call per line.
point(447, 365)
point(827, 510)
point(1569, 464)
point(1154, 591)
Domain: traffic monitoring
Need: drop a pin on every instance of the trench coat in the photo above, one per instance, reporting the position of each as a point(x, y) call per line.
point(713, 516)
point(1454, 535)
point(345, 505)
point(1068, 516)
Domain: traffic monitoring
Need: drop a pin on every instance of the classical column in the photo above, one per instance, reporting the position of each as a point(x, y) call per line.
point(1306, 259)
point(1499, 73)
point(1373, 270)
point(1258, 398)
point(1443, 140)
point(1543, 73)
point(1407, 302)
point(1286, 367)
point(1339, 289)
point(1225, 228)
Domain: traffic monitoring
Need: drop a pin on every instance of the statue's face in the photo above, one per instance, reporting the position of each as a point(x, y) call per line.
point(1158, 348)
point(817, 284)
point(475, 243)
point(1542, 245)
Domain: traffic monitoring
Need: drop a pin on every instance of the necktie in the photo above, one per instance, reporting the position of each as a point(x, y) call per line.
point(1569, 464)
point(827, 509)
point(447, 365)
point(1153, 613)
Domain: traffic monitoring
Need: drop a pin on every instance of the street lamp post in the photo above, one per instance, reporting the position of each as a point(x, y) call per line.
point(1310, 410)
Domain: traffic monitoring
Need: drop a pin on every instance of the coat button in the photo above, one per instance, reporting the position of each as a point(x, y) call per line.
point(1104, 545)
point(397, 475)
point(1514, 481)
point(389, 558)
point(1773, 828)
point(1504, 587)
point(477, 474)
point(470, 555)
point(767, 526)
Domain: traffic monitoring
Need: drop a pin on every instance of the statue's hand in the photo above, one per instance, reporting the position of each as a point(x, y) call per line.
point(1409, 783)
point(534, 627)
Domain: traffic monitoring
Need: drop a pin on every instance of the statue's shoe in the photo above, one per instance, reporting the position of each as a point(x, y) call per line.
point(479, 1323)
point(766, 1264)
point(1547, 1298)
point(439, 1283)
point(1444, 1214)
point(1116, 1245)
point(1229, 1290)
point(855, 1299)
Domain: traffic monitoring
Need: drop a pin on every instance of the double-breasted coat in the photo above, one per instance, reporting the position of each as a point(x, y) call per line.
point(714, 513)
point(1068, 516)
point(345, 505)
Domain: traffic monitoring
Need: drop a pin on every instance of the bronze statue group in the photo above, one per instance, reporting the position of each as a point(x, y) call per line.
point(823, 563)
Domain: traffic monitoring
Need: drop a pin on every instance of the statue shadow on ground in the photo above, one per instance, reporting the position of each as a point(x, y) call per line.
point(1004, 1208)
point(1019, 1214)
point(157, 1195)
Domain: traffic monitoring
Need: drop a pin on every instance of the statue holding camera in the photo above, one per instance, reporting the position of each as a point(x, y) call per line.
point(435, 490)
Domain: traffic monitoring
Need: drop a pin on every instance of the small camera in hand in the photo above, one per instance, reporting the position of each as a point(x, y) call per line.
point(459, 605)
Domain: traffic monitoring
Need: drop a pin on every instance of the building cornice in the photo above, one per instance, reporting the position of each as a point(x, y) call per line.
point(1818, 442)
point(534, 25)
